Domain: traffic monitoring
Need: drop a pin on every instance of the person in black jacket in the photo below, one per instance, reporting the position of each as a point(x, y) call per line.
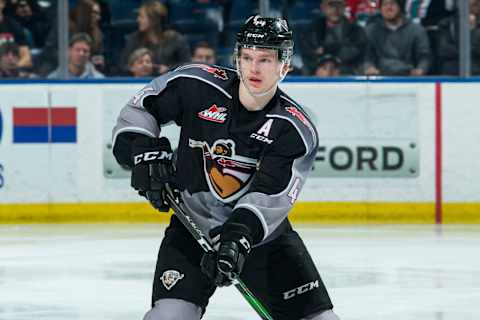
point(245, 151)
point(334, 34)
point(448, 42)
point(396, 46)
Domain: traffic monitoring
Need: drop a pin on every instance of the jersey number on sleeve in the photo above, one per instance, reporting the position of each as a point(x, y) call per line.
point(293, 193)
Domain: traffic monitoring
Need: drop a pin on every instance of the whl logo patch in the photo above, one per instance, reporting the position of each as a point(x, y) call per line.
point(214, 114)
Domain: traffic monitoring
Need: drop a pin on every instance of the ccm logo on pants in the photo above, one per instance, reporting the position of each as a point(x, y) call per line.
point(300, 290)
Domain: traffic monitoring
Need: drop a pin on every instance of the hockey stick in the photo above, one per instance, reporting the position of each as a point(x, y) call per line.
point(205, 243)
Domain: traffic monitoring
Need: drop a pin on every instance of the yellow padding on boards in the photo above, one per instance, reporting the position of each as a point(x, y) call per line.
point(81, 212)
point(303, 212)
point(363, 212)
point(464, 213)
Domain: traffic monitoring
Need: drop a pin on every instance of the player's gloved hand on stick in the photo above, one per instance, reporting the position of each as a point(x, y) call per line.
point(153, 167)
point(227, 263)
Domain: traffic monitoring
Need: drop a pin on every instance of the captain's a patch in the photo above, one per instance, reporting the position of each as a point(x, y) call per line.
point(170, 278)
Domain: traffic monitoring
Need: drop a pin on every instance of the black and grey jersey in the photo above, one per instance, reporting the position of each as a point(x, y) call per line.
point(229, 158)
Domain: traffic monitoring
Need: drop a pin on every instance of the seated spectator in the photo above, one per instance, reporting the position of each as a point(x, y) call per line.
point(396, 46)
point(9, 58)
point(328, 66)
point(32, 18)
point(448, 42)
point(204, 53)
point(169, 47)
point(334, 34)
point(79, 65)
point(11, 31)
point(85, 18)
point(140, 63)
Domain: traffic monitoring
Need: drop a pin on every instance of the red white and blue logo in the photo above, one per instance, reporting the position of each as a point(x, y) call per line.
point(44, 125)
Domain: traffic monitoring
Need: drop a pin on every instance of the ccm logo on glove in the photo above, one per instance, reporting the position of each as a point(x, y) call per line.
point(152, 156)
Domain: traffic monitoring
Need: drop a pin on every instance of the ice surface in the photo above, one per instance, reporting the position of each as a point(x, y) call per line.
point(104, 271)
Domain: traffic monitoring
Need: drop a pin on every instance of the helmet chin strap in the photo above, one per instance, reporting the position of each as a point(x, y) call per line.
point(266, 92)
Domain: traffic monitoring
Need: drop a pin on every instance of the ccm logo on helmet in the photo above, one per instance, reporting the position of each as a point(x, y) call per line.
point(255, 35)
point(152, 156)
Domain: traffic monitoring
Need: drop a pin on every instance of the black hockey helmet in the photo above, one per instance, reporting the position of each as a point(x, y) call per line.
point(263, 32)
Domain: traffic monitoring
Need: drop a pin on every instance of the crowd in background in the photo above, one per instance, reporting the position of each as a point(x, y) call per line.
point(146, 38)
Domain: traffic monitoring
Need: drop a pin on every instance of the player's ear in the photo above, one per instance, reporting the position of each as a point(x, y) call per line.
point(287, 67)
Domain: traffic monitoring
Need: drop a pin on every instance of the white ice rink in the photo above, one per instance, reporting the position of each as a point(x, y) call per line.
point(104, 272)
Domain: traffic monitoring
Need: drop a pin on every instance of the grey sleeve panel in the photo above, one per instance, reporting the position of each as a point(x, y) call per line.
point(138, 120)
point(134, 117)
point(272, 209)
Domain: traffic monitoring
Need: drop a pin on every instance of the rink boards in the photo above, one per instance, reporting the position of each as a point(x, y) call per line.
point(390, 151)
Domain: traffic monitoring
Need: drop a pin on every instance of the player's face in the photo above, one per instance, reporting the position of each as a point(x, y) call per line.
point(260, 69)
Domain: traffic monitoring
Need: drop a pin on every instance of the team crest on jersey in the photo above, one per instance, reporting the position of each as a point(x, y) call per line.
point(214, 114)
point(217, 72)
point(228, 175)
point(299, 115)
point(170, 278)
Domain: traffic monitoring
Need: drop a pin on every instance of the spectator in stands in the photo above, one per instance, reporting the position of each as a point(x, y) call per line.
point(328, 66)
point(85, 18)
point(79, 65)
point(32, 18)
point(168, 46)
point(448, 42)
point(334, 34)
point(396, 46)
point(140, 63)
point(11, 31)
point(204, 53)
point(9, 58)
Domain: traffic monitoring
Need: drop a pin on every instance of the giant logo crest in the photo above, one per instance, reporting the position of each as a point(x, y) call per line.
point(228, 174)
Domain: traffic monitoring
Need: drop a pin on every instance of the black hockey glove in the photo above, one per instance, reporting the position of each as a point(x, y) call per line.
point(152, 159)
point(227, 263)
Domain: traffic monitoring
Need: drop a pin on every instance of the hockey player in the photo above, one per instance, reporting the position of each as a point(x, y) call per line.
point(245, 151)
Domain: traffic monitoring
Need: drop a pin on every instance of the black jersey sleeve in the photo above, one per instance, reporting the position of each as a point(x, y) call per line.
point(275, 168)
point(161, 101)
point(281, 174)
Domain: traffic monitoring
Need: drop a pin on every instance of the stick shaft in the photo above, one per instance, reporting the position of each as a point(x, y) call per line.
point(206, 245)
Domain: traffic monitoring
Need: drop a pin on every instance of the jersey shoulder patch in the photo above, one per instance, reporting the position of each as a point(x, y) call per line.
point(292, 112)
point(210, 72)
point(217, 77)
